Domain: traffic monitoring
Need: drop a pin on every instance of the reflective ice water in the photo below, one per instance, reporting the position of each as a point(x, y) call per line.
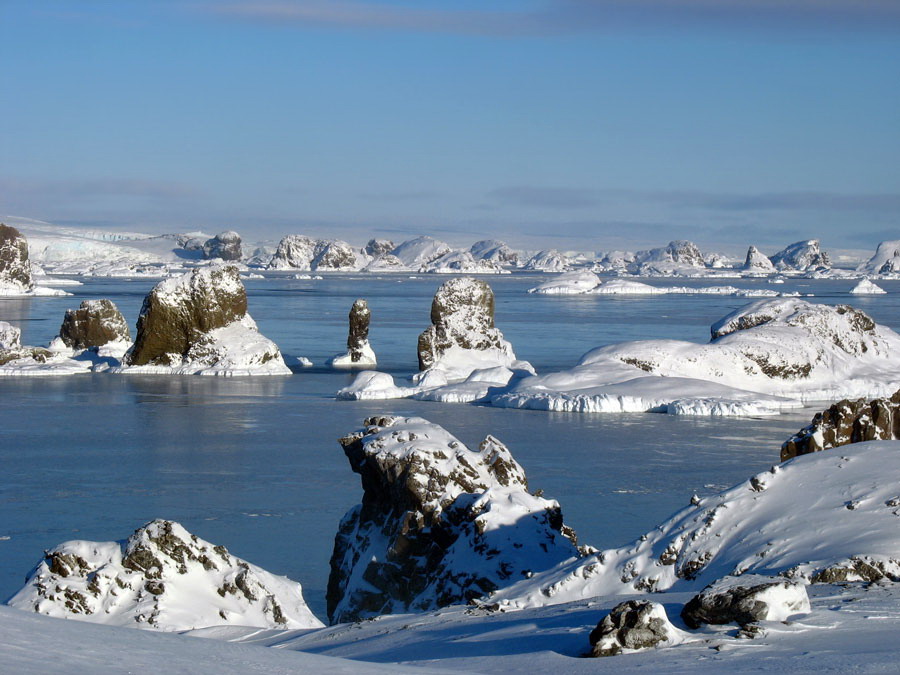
point(253, 463)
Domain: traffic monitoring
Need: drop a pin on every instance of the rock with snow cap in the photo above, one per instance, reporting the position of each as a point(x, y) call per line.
point(359, 351)
point(801, 256)
point(439, 524)
point(198, 322)
point(885, 261)
point(846, 422)
point(161, 578)
point(746, 599)
point(15, 269)
point(224, 246)
point(94, 324)
point(757, 262)
point(631, 626)
point(377, 247)
point(462, 318)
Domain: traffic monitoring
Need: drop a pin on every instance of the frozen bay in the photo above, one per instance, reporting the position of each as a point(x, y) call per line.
point(253, 463)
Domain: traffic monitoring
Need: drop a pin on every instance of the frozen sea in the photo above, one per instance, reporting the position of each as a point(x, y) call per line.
point(253, 463)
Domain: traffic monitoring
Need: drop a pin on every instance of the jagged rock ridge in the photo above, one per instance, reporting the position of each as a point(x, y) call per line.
point(163, 578)
point(438, 524)
point(847, 422)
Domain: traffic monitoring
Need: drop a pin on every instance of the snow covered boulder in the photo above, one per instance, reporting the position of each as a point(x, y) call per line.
point(15, 270)
point(295, 251)
point(746, 599)
point(847, 422)
point(224, 246)
point(198, 323)
point(10, 336)
point(757, 262)
point(632, 626)
point(462, 318)
point(866, 287)
point(438, 524)
point(94, 324)
point(801, 256)
point(161, 578)
point(359, 351)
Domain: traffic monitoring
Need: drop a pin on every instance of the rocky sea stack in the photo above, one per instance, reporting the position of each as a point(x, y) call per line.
point(438, 524)
point(462, 316)
point(163, 578)
point(15, 270)
point(198, 322)
point(94, 324)
point(224, 246)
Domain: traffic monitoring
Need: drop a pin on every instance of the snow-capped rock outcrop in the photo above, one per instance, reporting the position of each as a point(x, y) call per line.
point(632, 626)
point(439, 524)
point(15, 270)
point(802, 256)
point(198, 323)
point(377, 247)
point(462, 329)
point(770, 354)
point(847, 422)
point(866, 287)
point(161, 578)
point(224, 246)
point(886, 260)
point(18, 360)
point(95, 323)
point(300, 252)
point(495, 251)
point(359, 351)
point(824, 511)
point(10, 336)
point(417, 253)
point(746, 599)
point(547, 261)
point(757, 262)
point(677, 257)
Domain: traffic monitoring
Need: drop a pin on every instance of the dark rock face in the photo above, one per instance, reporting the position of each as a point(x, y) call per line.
point(178, 313)
point(847, 422)
point(14, 266)
point(859, 568)
point(94, 324)
point(745, 600)
point(358, 337)
point(434, 527)
point(462, 314)
point(225, 246)
point(379, 247)
point(632, 625)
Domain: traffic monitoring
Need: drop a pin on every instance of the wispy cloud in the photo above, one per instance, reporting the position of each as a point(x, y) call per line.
point(399, 196)
point(93, 188)
point(552, 17)
point(580, 198)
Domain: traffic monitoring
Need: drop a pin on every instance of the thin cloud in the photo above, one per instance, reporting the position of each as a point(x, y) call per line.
point(92, 188)
point(554, 17)
point(578, 198)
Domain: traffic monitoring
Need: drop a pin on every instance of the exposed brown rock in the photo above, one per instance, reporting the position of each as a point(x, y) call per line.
point(224, 246)
point(633, 625)
point(177, 314)
point(847, 422)
point(358, 337)
point(94, 324)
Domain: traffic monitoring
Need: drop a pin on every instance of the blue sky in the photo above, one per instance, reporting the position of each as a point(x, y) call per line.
point(589, 124)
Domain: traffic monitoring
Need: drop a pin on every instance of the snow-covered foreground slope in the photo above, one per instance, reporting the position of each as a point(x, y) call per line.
point(767, 356)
